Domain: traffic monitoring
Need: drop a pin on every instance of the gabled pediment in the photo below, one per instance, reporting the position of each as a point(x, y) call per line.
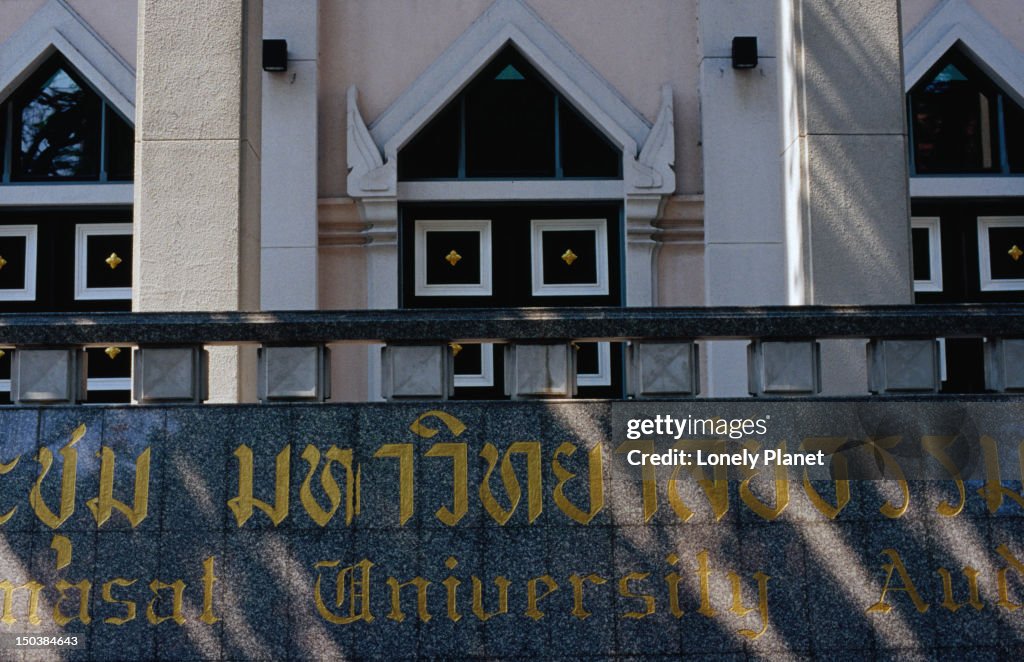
point(373, 149)
point(57, 28)
point(954, 23)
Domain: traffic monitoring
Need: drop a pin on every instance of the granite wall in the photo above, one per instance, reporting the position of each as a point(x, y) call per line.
point(502, 530)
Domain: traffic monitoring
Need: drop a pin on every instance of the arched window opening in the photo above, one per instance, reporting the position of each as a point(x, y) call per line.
point(57, 128)
point(509, 122)
point(962, 122)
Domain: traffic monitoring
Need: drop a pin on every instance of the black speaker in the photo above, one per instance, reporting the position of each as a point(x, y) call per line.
point(275, 55)
point(744, 52)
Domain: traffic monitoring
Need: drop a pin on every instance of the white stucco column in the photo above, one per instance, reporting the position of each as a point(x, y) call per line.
point(197, 186)
point(743, 230)
point(844, 165)
point(289, 160)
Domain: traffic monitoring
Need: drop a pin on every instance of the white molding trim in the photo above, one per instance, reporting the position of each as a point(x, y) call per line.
point(966, 186)
point(956, 21)
point(603, 376)
point(486, 376)
point(931, 224)
point(45, 194)
point(517, 189)
point(648, 152)
point(57, 27)
point(31, 235)
point(82, 233)
point(599, 227)
point(109, 384)
point(425, 289)
point(989, 284)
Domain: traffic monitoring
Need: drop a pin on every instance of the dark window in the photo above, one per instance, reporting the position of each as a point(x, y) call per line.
point(963, 272)
point(509, 123)
point(120, 147)
point(961, 122)
point(57, 128)
point(922, 254)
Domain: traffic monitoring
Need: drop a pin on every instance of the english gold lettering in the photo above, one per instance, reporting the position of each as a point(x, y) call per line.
point(577, 593)
point(907, 587)
point(421, 585)
point(532, 599)
point(626, 592)
point(352, 586)
point(129, 605)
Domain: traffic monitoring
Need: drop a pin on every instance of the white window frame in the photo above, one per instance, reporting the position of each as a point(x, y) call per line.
point(603, 376)
point(486, 376)
point(82, 233)
point(31, 235)
point(930, 223)
point(989, 284)
point(425, 289)
point(599, 227)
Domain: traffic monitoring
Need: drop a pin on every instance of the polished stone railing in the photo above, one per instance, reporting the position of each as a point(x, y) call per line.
point(783, 355)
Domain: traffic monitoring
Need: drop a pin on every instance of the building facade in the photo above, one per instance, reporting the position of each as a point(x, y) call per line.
point(454, 154)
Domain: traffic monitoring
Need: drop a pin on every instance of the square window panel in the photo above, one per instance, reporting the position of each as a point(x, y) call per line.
point(927, 246)
point(103, 261)
point(453, 258)
point(474, 365)
point(18, 246)
point(1001, 253)
point(570, 257)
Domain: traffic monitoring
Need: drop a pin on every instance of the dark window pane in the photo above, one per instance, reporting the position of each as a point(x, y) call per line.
point(1006, 262)
point(105, 366)
point(585, 151)
point(57, 129)
point(570, 256)
point(587, 362)
point(469, 360)
point(954, 113)
point(453, 258)
point(922, 254)
point(1014, 122)
point(433, 153)
point(12, 273)
point(510, 121)
point(120, 147)
point(101, 273)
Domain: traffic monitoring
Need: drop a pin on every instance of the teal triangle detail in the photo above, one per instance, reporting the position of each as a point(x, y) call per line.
point(509, 73)
point(950, 73)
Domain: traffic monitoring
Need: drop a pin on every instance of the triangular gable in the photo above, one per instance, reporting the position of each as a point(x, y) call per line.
point(648, 151)
point(56, 27)
point(956, 22)
point(510, 21)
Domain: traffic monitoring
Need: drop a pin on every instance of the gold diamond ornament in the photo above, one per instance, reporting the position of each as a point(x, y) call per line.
point(112, 352)
point(113, 260)
point(456, 348)
point(453, 258)
point(1015, 252)
point(569, 257)
point(2, 261)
